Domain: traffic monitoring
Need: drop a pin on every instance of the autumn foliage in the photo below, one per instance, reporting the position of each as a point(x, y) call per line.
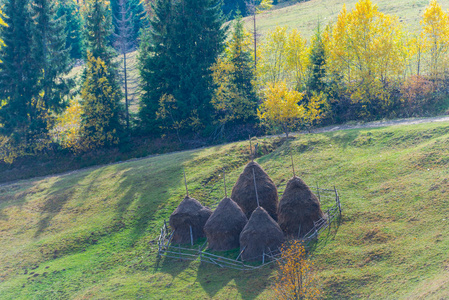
point(296, 279)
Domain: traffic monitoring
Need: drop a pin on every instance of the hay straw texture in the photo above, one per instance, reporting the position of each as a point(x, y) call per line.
point(224, 226)
point(243, 192)
point(261, 234)
point(298, 206)
point(188, 213)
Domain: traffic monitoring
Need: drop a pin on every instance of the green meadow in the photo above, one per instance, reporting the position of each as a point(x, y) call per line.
point(92, 234)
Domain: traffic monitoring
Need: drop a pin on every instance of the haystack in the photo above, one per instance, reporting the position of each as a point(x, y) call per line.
point(189, 214)
point(298, 208)
point(243, 192)
point(261, 235)
point(224, 226)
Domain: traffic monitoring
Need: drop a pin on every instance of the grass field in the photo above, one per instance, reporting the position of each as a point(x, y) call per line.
point(305, 16)
point(91, 234)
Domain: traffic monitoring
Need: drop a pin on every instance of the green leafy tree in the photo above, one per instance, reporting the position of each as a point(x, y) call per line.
point(100, 117)
point(51, 54)
point(73, 28)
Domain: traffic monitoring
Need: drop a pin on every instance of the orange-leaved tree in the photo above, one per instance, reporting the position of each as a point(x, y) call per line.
point(281, 108)
point(296, 279)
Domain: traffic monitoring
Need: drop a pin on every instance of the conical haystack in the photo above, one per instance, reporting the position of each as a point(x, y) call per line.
point(261, 235)
point(224, 226)
point(298, 207)
point(189, 214)
point(244, 194)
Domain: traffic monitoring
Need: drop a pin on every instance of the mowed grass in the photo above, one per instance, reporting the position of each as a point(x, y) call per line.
point(92, 234)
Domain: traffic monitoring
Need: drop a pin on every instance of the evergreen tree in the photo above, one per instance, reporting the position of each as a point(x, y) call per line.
point(241, 58)
point(232, 8)
point(98, 24)
point(135, 12)
point(73, 29)
point(154, 64)
point(100, 120)
point(51, 53)
point(317, 64)
point(18, 76)
point(186, 38)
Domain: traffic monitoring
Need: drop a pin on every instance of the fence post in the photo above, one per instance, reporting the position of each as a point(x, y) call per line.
point(263, 258)
point(191, 236)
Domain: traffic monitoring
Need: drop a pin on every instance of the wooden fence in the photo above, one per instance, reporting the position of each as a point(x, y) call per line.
point(327, 197)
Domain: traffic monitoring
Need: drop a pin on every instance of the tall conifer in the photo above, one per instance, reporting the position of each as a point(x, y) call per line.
point(51, 53)
point(73, 29)
point(18, 78)
point(101, 120)
point(186, 38)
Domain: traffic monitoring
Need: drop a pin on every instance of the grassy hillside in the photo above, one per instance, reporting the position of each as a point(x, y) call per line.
point(92, 233)
point(305, 16)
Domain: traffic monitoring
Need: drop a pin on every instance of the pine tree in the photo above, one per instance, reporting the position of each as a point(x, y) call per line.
point(73, 29)
point(191, 44)
point(18, 77)
point(100, 120)
point(51, 53)
point(154, 64)
point(240, 57)
point(124, 42)
point(98, 24)
point(135, 12)
point(317, 64)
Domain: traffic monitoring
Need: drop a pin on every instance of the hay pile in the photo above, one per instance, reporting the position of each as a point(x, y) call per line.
point(224, 226)
point(243, 192)
point(261, 234)
point(189, 213)
point(298, 206)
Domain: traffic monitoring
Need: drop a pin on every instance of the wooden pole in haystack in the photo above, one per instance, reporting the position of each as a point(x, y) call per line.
point(224, 181)
point(251, 149)
point(293, 165)
point(185, 183)
point(255, 188)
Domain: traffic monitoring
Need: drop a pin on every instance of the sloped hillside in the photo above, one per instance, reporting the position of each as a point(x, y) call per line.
point(91, 233)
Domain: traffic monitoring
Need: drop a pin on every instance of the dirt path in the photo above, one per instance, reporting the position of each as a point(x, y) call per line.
point(397, 122)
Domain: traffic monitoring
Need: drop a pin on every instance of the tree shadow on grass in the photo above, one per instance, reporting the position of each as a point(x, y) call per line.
point(60, 193)
point(147, 188)
point(213, 278)
point(172, 266)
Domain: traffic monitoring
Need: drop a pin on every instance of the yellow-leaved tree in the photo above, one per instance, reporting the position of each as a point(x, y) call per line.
point(281, 108)
point(296, 279)
point(100, 119)
point(67, 127)
point(283, 56)
point(2, 23)
point(367, 51)
point(435, 36)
